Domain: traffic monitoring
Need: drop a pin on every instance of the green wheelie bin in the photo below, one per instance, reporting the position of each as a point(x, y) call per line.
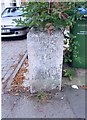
point(80, 31)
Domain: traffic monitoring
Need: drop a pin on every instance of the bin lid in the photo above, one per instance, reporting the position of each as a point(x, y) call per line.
point(82, 10)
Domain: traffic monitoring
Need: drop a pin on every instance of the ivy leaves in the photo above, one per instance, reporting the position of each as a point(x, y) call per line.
point(36, 14)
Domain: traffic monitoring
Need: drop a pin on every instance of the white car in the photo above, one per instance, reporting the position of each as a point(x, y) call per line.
point(8, 26)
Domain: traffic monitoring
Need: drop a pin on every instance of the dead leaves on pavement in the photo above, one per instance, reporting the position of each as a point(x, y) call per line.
point(17, 86)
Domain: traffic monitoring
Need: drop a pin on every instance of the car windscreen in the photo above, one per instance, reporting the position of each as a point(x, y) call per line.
point(12, 12)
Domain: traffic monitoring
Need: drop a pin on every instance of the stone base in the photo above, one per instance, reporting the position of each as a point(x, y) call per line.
point(45, 57)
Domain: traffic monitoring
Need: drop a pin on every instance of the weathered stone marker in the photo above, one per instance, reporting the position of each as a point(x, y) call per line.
point(45, 57)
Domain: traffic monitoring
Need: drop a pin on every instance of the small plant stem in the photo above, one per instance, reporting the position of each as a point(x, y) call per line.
point(50, 7)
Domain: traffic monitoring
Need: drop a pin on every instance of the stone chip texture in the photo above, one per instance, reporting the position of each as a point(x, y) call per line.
point(45, 56)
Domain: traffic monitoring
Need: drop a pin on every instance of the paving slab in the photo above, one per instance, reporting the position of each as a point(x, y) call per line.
point(31, 108)
point(8, 103)
point(76, 99)
point(67, 104)
point(11, 53)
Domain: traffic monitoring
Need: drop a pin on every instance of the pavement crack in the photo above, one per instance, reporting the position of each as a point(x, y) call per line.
point(14, 104)
point(71, 107)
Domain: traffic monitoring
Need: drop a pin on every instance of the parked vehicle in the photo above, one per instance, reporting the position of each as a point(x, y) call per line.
point(8, 26)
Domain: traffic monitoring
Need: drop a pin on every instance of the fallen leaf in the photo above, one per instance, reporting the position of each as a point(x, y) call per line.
point(14, 66)
point(17, 94)
point(17, 85)
point(26, 61)
point(84, 87)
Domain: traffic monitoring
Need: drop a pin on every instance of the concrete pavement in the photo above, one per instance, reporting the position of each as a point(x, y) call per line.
point(77, 101)
point(67, 104)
